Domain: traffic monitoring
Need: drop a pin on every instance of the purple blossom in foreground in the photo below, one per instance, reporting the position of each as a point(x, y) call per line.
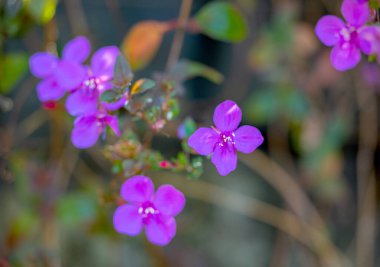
point(145, 209)
point(60, 75)
point(85, 98)
point(89, 127)
point(223, 141)
point(347, 39)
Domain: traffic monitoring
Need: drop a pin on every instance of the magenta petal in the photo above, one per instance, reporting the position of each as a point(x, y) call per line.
point(113, 123)
point(115, 105)
point(79, 103)
point(203, 140)
point(345, 57)
point(247, 139)
point(224, 159)
point(77, 50)
point(48, 90)
point(328, 28)
point(103, 61)
point(355, 13)
point(137, 189)
point(161, 232)
point(85, 132)
point(369, 39)
point(227, 116)
point(127, 220)
point(168, 200)
point(42, 64)
point(69, 74)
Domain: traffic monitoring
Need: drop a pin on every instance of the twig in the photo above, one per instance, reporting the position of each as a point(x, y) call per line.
point(179, 33)
point(366, 184)
point(315, 240)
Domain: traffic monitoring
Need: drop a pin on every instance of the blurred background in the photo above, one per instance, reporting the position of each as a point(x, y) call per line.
point(308, 197)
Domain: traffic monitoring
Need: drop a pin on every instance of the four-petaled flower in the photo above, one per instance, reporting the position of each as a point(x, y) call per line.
point(347, 39)
point(223, 141)
point(145, 209)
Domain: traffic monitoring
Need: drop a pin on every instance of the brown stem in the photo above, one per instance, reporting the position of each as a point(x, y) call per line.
point(315, 240)
point(179, 34)
point(366, 184)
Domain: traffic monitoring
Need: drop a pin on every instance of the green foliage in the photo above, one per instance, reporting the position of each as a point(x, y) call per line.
point(12, 68)
point(222, 21)
point(122, 75)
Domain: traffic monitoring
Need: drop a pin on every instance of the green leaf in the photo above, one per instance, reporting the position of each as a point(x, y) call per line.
point(12, 67)
point(222, 21)
point(42, 11)
point(110, 96)
point(186, 69)
point(122, 72)
point(142, 85)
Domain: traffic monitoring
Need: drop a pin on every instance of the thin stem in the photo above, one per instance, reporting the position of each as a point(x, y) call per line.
point(315, 240)
point(366, 184)
point(179, 33)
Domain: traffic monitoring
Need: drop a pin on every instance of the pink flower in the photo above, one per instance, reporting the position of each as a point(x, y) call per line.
point(346, 39)
point(154, 212)
point(223, 141)
point(60, 75)
point(88, 128)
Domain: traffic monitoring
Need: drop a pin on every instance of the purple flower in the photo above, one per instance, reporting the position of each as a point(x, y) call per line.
point(371, 37)
point(223, 141)
point(154, 212)
point(89, 127)
point(60, 75)
point(345, 38)
point(85, 98)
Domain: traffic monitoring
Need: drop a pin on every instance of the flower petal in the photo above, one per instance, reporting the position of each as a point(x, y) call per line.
point(43, 64)
point(203, 140)
point(69, 75)
point(328, 28)
point(247, 139)
point(127, 220)
point(137, 189)
point(161, 232)
point(345, 57)
point(80, 103)
point(369, 39)
point(85, 132)
point(48, 90)
point(77, 50)
point(115, 105)
point(355, 13)
point(103, 61)
point(113, 123)
point(168, 200)
point(224, 159)
point(227, 116)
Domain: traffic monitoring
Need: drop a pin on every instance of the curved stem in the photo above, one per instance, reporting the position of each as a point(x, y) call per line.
point(315, 240)
point(179, 34)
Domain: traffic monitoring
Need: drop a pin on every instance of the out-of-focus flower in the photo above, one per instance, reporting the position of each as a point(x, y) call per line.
point(145, 209)
point(347, 39)
point(60, 75)
point(89, 127)
point(223, 141)
point(85, 98)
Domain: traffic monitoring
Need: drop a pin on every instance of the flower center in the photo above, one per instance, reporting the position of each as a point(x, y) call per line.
point(226, 139)
point(148, 211)
point(348, 33)
point(91, 84)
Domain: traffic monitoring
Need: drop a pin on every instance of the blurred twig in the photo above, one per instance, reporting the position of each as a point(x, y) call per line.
point(77, 18)
point(283, 220)
point(179, 33)
point(366, 191)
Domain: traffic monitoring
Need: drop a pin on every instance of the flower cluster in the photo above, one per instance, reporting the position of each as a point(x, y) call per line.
point(83, 84)
point(349, 38)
